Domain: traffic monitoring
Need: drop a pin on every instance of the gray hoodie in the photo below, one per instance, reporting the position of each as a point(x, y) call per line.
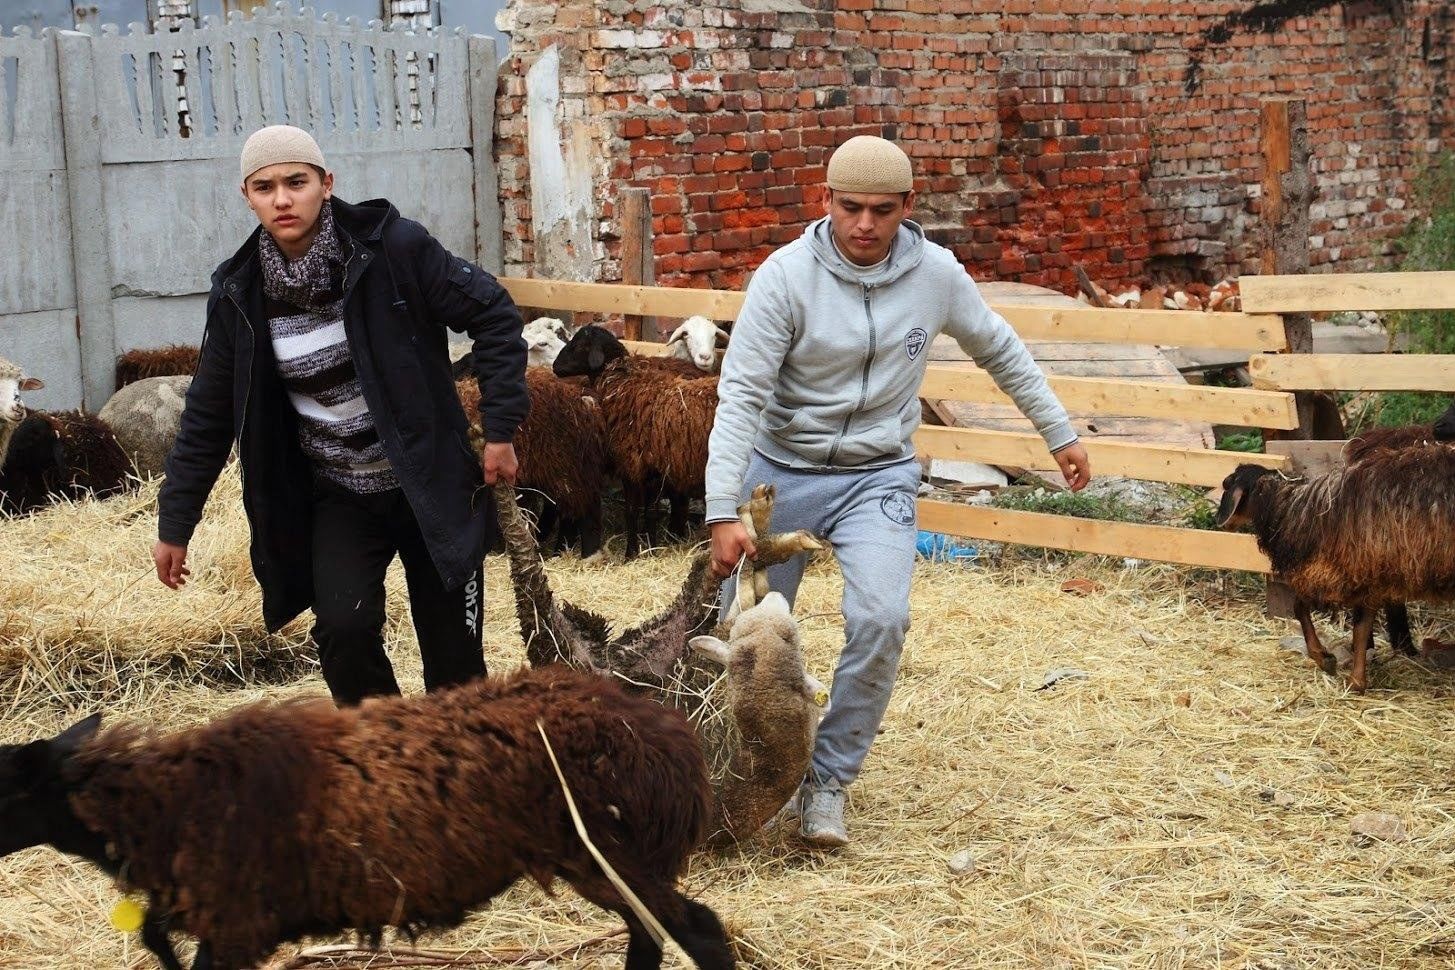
point(825, 362)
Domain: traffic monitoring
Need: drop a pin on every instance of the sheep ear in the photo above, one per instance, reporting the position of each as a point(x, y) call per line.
point(595, 359)
point(678, 336)
point(31, 384)
point(711, 647)
point(1231, 504)
point(77, 734)
point(723, 335)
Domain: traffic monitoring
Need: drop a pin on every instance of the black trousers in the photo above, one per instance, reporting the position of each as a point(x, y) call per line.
point(355, 537)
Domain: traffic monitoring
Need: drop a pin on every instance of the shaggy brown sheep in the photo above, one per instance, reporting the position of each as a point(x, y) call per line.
point(292, 819)
point(1374, 533)
point(561, 447)
point(174, 360)
point(657, 422)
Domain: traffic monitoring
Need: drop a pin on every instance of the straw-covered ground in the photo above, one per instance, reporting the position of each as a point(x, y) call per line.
point(1192, 802)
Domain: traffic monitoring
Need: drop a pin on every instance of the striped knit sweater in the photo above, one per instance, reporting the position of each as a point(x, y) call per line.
point(335, 427)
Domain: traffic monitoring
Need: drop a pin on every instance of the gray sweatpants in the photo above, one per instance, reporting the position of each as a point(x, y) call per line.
point(869, 516)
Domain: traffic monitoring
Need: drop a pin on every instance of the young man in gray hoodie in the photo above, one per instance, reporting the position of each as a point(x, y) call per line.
point(819, 396)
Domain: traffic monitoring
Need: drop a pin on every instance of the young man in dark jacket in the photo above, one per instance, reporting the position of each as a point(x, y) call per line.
point(325, 359)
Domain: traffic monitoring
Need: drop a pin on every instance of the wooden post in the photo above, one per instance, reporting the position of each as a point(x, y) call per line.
point(637, 263)
point(1288, 192)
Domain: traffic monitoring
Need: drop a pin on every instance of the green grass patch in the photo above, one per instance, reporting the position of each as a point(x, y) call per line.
point(1075, 504)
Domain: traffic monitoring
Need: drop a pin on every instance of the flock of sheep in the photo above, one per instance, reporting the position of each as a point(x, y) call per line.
point(615, 755)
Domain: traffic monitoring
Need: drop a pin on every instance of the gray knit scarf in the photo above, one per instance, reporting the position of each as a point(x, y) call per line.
point(311, 280)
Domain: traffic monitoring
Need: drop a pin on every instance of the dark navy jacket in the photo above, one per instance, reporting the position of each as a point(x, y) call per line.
point(401, 290)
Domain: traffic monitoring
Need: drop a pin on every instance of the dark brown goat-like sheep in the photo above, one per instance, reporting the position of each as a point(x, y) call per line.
point(1381, 440)
point(1374, 533)
point(561, 447)
point(657, 421)
point(284, 820)
point(174, 360)
point(61, 454)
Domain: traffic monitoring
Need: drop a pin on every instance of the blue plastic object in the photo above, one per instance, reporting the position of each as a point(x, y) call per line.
point(938, 547)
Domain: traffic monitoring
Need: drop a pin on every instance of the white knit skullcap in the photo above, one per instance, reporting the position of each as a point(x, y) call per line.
point(276, 144)
point(872, 165)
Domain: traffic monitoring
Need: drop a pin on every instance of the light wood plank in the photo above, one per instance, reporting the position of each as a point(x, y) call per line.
point(1354, 372)
point(1092, 395)
point(1154, 463)
point(1322, 292)
point(1057, 323)
point(1178, 328)
point(1191, 547)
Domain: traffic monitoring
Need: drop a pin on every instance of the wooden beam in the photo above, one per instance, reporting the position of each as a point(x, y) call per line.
point(1327, 292)
point(1190, 547)
point(1144, 399)
point(1288, 192)
point(1176, 328)
point(1153, 463)
point(1353, 372)
point(1236, 331)
point(638, 268)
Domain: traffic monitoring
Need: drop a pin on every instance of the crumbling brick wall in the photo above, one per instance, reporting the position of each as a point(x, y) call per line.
point(1120, 135)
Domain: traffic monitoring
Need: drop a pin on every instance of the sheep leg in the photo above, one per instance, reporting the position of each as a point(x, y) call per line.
point(1397, 625)
point(203, 959)
point(1315, 648)
point(642, 952)
point(1363, 622)
point(701, 935)
point(591, 531)
point(154, 937)
point(677, 520)
point(632, 495)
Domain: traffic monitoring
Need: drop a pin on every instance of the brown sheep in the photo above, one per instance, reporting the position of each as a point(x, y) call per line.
point(284, 820)
point(657, 422)
point(561, 447)
point(1380, 440)
point(1374, 533)
point(61, 454)
point(174, 360)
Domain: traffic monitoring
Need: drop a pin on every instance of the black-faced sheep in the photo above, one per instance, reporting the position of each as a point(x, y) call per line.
point(1359, 539)
point(657, 423)
point(61, 454)
point(561, 447)
point(756, 728)
point(696, 340)
point(174, 360)
point(284, 820)
point(145, 416)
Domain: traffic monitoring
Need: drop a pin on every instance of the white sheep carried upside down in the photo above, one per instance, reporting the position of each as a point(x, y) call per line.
point(756, 725)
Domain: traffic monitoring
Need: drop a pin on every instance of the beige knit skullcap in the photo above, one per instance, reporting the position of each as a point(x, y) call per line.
point(276, 144)
point(872, 165)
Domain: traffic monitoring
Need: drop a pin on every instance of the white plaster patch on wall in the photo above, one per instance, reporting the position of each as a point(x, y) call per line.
point(560, 173)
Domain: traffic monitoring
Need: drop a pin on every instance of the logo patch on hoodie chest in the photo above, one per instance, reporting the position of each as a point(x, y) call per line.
point(915, 341)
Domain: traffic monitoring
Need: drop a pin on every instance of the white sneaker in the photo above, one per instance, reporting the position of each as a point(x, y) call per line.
point(822, 815)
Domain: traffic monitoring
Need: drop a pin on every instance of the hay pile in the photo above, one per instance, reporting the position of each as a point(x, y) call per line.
point(1190, 803)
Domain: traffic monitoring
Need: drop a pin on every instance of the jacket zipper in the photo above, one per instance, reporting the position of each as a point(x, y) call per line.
point(252, 365)
point(863, 380)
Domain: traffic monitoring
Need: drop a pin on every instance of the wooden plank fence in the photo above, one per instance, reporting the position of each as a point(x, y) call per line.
point(1269, 405)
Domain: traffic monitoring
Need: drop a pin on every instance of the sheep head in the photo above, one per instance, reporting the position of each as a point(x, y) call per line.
point(545, 338)
point(35, 804)
point(1235, 510)
point(588, 352)
point(13, 380)
point(696, 339)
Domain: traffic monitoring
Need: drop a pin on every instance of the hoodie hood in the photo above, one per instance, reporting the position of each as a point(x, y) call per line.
point(905, 254)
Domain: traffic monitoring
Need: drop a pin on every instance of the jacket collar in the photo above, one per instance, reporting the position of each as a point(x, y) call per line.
point(364, 222)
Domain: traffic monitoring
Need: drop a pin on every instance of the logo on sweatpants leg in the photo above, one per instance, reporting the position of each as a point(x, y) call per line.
point(898, 507)
point(472, 605)
point(914, 342)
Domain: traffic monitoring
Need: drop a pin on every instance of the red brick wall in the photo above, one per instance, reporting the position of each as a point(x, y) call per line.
point(1045, 133)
